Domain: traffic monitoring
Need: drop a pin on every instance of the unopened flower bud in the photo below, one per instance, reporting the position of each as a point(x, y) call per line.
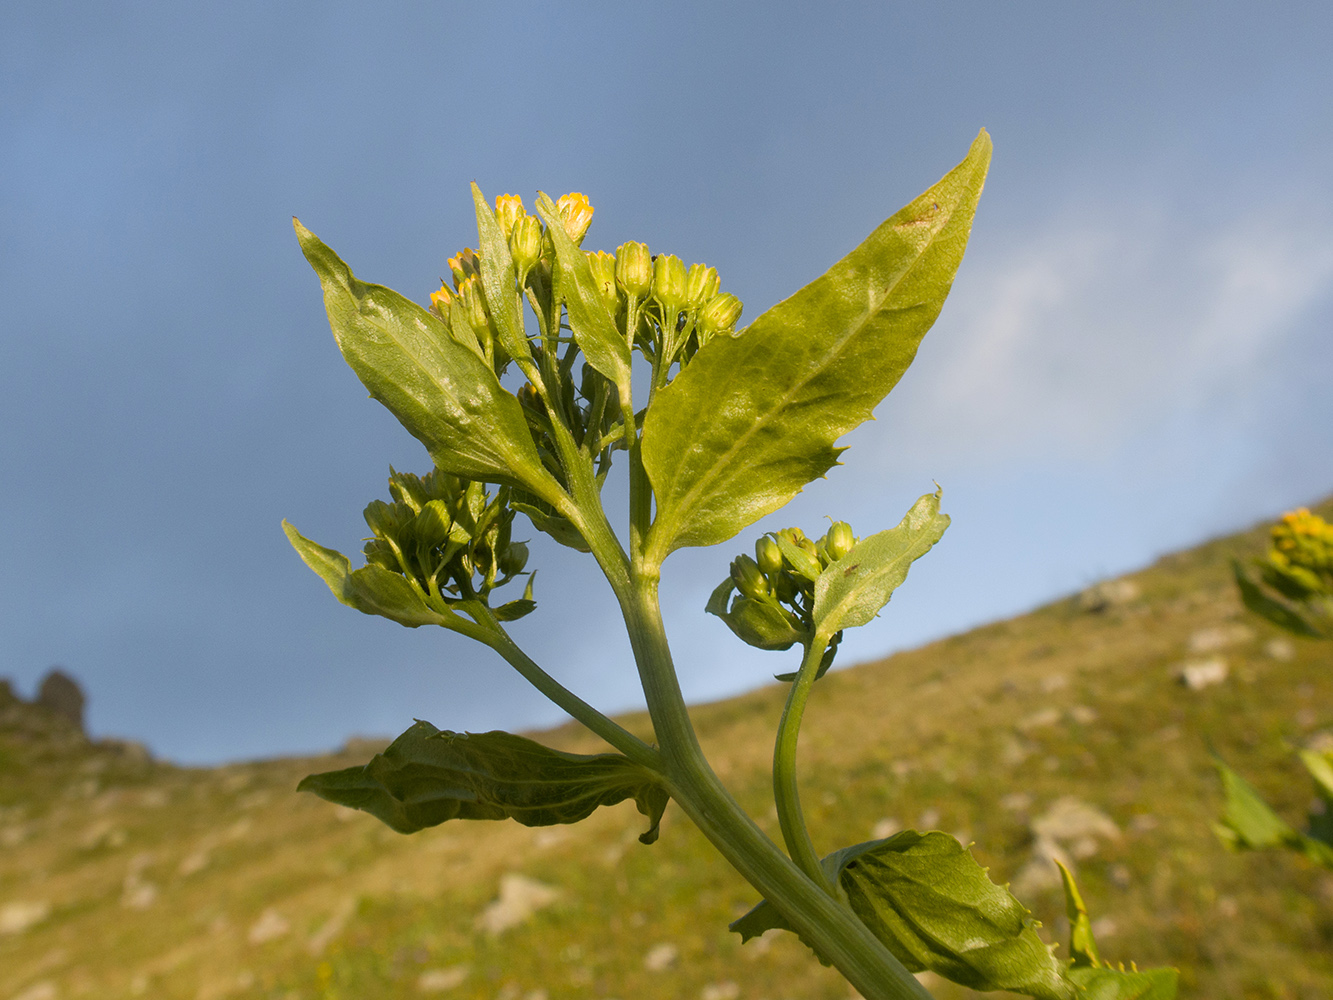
point(514, 558)
point(701, 284)
point(474, 304)
point(525, 243)
point(669, 285)
point(431, 525)
point(384, 520)
point(603, 266)
point(720, 313)
point(634, 268)
point(440, 301)
point(380, 553)
point(839, 540)
point(768, 555)
point(464, 264)
point(747, 577)
point(508, 210)
point(576, 214)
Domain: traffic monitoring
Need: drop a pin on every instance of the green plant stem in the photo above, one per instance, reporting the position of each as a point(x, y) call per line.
point(614, 734)
point(828, 925)
point(786, 793)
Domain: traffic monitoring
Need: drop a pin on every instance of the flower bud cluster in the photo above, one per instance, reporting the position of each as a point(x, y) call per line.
point(1300, 559)
point(464, 308)
point(775, 589)
point(676, 309)
point(446, 534)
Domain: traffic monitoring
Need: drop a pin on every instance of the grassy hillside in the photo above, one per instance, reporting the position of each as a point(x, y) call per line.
point(1066, 727)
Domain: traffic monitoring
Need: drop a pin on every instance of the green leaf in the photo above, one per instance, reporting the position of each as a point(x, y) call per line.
point(372, 590)
point(1082, 944)
point(559, 528)
point(934, 907)
point(756, 416)
point(1112, 984)
point(426, 777)
point(500, 282)
point(447, 397)
point(1277, 609)
point(593, 325)
point(852, 590)
point(1247, 822)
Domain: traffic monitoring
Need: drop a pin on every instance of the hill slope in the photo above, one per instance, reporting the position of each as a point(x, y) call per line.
point(1062, 729)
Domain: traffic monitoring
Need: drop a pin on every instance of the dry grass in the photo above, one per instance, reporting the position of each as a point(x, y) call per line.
point(164, 882)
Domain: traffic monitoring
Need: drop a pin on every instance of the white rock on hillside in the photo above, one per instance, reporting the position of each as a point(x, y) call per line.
point(15, 918)
point(520, 897)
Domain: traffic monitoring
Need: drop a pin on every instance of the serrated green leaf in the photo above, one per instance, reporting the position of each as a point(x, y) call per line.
point(499, 280)
point(852, 590)
point(935, 908)
point(1279, 610)
point(593, 326)
point(426, 777)
point(756, 416)
point(1082, 944)
point(372, 590)
point(1112, 984)
point(447, 397)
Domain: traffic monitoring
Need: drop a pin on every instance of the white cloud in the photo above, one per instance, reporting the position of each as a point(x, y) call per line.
point(1092, 331)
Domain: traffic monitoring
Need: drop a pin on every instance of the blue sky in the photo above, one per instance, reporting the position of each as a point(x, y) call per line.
point(1136, 355)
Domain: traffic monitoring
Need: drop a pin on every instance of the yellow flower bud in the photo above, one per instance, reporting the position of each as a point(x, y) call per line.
point(440, 301)
point(768, 555)
point(576, 214)
point(745, 574)
point(508, 210)
point(474, 302)
point(719, 314)
point(701, 284)
point(525, 244)
point(669, 286)
point(839, 540)
point(634, 268)
point(463, 264)
point(603, 266)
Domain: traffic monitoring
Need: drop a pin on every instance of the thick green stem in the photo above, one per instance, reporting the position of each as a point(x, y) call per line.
point(827, 924)
point(786, 793)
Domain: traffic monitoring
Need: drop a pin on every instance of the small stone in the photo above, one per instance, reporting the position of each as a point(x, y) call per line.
point(885, 828)
point(1039, 719)
point(1210, 640)
point(520, 897)
point(1199, 674)
point(1281, 649)
point(1084, 715)
point(270, 926)
point(661, 957)
point(1069, 819)
point(1104, 927)
point(440, 980)
point(1108, 594)
point(928, 820)
point(726, 990)
point(15, 918)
